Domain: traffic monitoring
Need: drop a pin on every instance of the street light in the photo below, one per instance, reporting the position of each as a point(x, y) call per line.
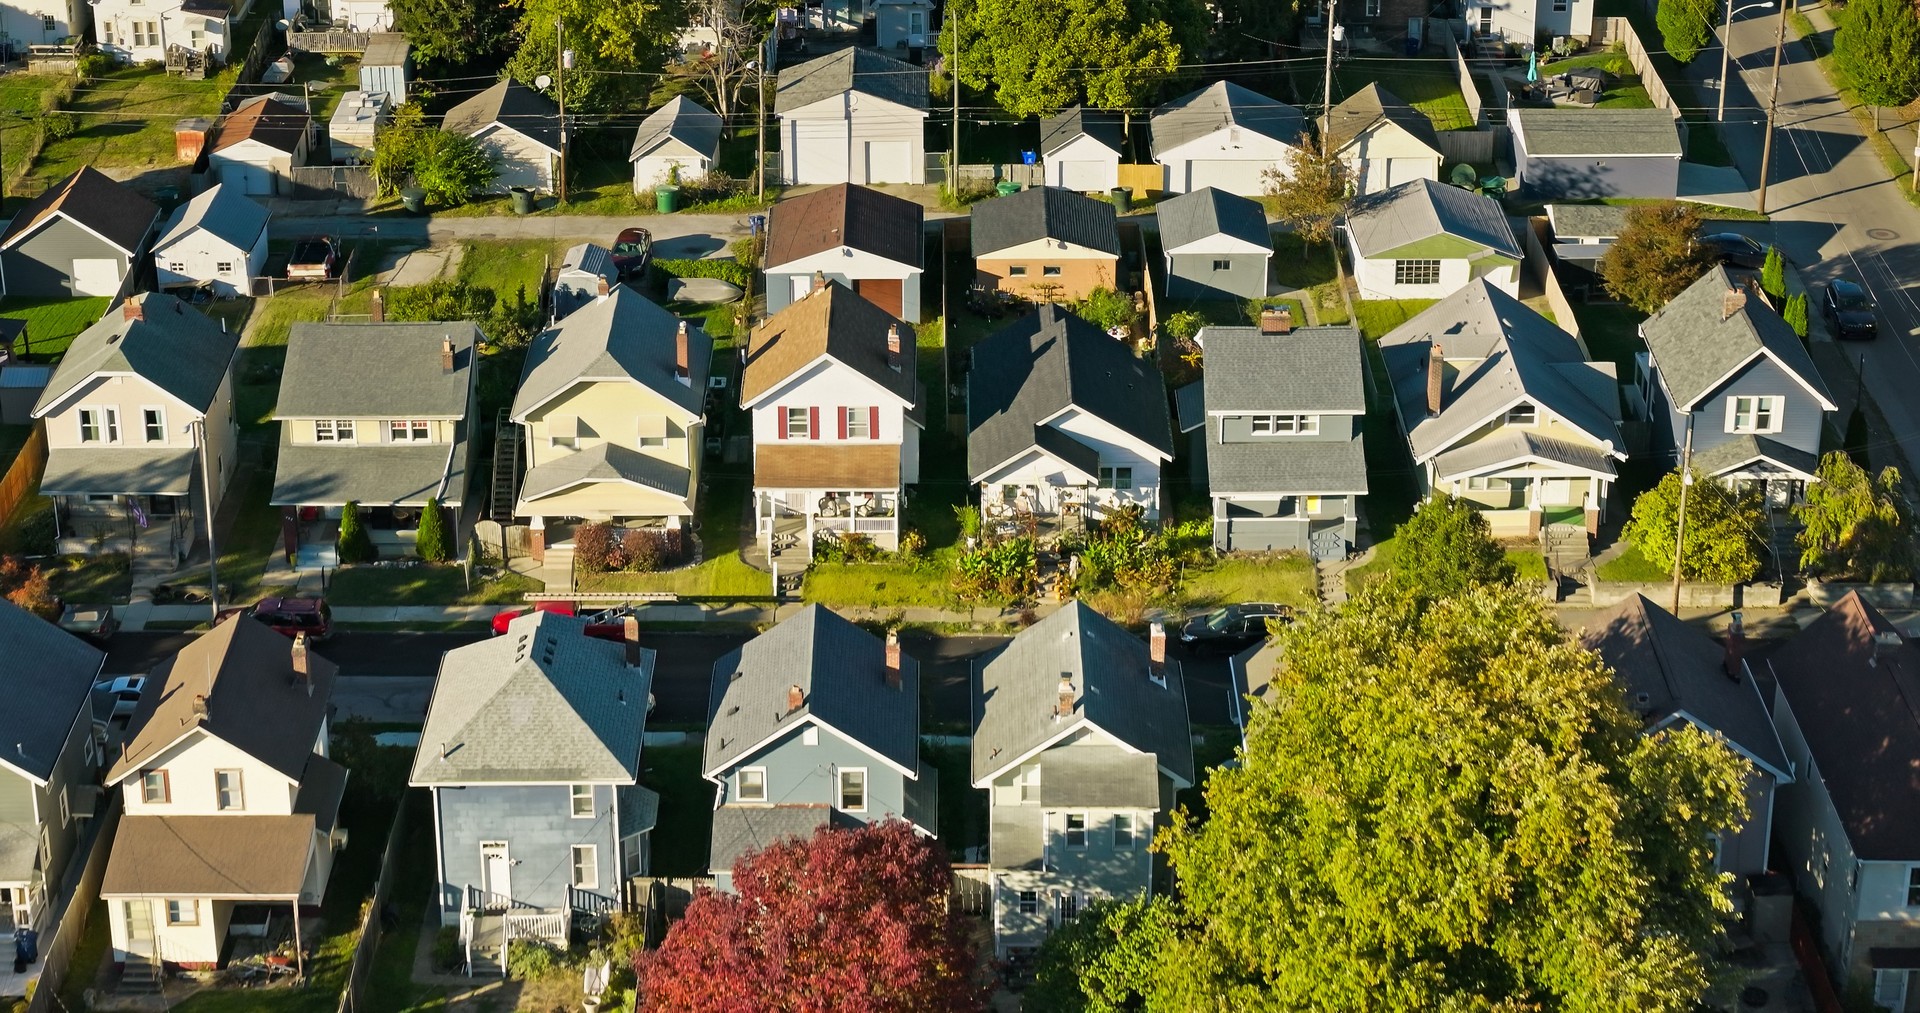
point(1726, 49)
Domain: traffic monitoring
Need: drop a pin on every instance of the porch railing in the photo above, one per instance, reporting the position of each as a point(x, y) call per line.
point(489, 902)
point(545, 926)
point(590, 903)
point(857, 525)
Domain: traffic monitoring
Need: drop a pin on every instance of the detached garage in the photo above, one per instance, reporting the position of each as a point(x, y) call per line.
point(1562, 154)
point(259, 144)
point(1226, 137)
point(1080, 149)
point(79, 238)
point(854, 116)
point(849, 235)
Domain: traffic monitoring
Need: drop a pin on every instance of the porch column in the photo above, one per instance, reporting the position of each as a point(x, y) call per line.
point(1533, 506)
point(537, 538)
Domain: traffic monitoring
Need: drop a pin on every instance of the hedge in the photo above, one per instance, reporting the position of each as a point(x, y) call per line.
point(726, 270)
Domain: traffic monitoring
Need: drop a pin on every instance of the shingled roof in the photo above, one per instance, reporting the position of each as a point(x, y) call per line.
point(1698, 345)
point(113, 210)
point(167, 343)
point(269, 119)
point(851, 69)
point(835, 322)
point(1044, 212)
point(512, 105)
point(857, 217)
point(1374, 104)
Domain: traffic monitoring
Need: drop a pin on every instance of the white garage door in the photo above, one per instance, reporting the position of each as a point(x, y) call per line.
point(253, 180)
point(819, 149)
point(1241, 177)
point(96, 277)
point(1401, 170)
point(889, 162)
point(1086, 176)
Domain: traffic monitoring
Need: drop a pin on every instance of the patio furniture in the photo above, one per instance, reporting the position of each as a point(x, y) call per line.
point(1493, 186)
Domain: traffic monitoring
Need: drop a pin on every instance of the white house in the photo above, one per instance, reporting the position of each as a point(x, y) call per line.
point(901, 24)
point(26, 23)
point(1427, 240)
point(1524, 21)
point(1080, 149)
point(259, 144)
point(1226, 137)
point(135, 31)
point(683, 135)
point(854, 116)
point(344, 15)
point(519, 127)
point(218, 239)
point(1382, 140)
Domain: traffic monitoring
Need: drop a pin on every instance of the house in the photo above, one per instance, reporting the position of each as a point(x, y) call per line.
point(676, 143)
point(611, 404)
point(866, 240)
point(1080, 739)
point(1064, 420)
point(1675, 675)
point(1283, 414)
point(1081, 148)
point(41, 23)
point(1502, 409)
point(260, 143)
point(216, 241)
point(1723, 367)
point(81, 237)
point(837, 413)
point(1525, 22)
point(1382, 140)
point(1843, 703)
point(377, 414)
point(586, 273)
point(1562, 154)
point(48, 776)
point(1216, 244)
point(901, 24)
point(531, 752)
point(359, 16)
point(1423, 240)
point(1227, 137)
point(518, 127)
point(356, 120)
point(132, 31)
point(815, 722)
point(1045, 244)
point(231, 801)
point(139, 421)
point(853, 116)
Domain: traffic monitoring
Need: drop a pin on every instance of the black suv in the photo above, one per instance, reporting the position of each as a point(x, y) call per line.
point(1232, 628)
point(1849, 310)
point(1737, 250)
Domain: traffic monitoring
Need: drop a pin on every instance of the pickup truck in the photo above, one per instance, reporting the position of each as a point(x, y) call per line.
point(313, 260)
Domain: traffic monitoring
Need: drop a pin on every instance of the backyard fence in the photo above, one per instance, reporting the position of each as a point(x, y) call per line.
point(259, 52)
point(972, 890)
point(660, 901)
point(1481, 148)
point(57, 957)
point(332, 183)
point(328, 42)
point(23, 477)
point(1143, 179)
point(370, 923)
point(1620, 30)
point(1462, 71)
point(1542, 266)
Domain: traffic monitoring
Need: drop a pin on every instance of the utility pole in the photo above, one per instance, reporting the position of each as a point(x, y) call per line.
point(1680, 527)
point(1326, 91)
point(953, 165)
point(560, 82)
point(1773, 105)
point(760, 125)
point(206, 504)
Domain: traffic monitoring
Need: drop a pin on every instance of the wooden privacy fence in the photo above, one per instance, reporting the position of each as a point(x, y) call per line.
point(24, 476)
point(1542, 266)
point(328, 42)
point(1143, 179)
point(332, 182)
point(1449, 36)
point(1620, 30)
point(1481, 148)
point(972, 890)
point(660, 901)
point(57, 956)
point(352, 997)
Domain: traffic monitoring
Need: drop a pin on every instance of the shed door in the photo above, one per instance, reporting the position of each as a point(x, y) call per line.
point(253, 180)
point(882, 292)
point(1401, 170)
point(1085, 175)
point(889, 162)
point(96, 277)
point(820, 150)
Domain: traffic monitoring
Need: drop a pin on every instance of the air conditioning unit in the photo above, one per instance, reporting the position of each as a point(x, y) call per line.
point(716, 383)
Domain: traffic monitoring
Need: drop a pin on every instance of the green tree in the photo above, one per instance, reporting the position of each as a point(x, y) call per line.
point(1773, 275)
point(1309, 193)
point(1878, 46)
point(1445, 805)
point(396, 145)
point(1686, 26)
point(1040, 56)
point(1795, 314)
point(1724, 528)
point(1858, 527)
point(454, 32)
point(1447, 547)
point(433, 542)
point(1105, 960)
point(450, 167)
point(355, 545)
point(619, 47)
point(1657, 255)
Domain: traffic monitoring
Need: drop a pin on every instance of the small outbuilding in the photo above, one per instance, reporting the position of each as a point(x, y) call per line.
point(1216, 244)
point(682, 135)
point(519, 127)
point(1564, 154)
point(1427, 240)
point(853, 116)
point(1081, 148)
point(260, 142)
point(355, 121)
point(1225, 136)
point(1383, 141)
point(217, 240)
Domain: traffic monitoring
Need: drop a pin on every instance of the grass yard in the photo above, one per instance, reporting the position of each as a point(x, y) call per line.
point(328, 78)
point(686, 809)
point(20, 98)
point(126, 121)
point(105, 579)
point(52, 324)
point(503, 267)
point(1428, 85)
point(252, 542)
point(390, 986)
point(1378, 317)
point(1528, 564)
point(722, 574)
point(1285, 577)
point(1633, 567)
point(927, 583)
point(1704, 143)
point(425, 584)
point(1612, 333)
point(1625, 92)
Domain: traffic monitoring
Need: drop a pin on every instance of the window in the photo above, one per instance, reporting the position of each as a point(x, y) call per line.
point(1414, 272)
point(48, 24)
point(89, 425)
point(176, 267)
point(1285, 425)
point(1372, 8)
point(1754, 414)
point(409, 431)
point(1029, 902)
point(1913, 886)
point(586, 866)
point(857, 426)
point(1559, 6)
point(1049, 270)
point(333, 431)
point(99, 425)
point(224, 266)
point(1223, 265)
point(183, 912)
point(226, 789)
point(1890, 987)
point(581, 801)
point(154, 787)
point(1066, 907)
point(653, 441)
point(106, 34)
point(1016, 270)
point(1076, 830)
point(752, 782)
point(797, 424)
point(1522, 415)
point(1116, 478)
point(153, 424)
point(66, 810)
point(1123, 831)
point(1029, 782)
point(853, 790)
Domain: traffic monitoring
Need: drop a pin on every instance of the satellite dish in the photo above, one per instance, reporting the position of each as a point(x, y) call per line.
point(543, 82)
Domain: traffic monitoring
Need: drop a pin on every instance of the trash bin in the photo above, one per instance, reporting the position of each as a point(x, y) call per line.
point(755, 223)
point(522, 200)
point(1006, 187)
point(666, 199)
point(1122, 198)
point(414, 199)
point(26, 946)
point(168, 197)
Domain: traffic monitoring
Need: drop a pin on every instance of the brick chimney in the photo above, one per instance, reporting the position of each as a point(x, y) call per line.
point(630, 637)
point(1064, 708)
point(1436, 380)
point(1736, 647)
point(1731, 302)
point(682, 358)
point(1276, 320)
point(819, 281)
point(132, 310)
point(302, 664)
point(796, 698)
point(379, 311)
point(893, 659)
point(446, 354)
point(603, 289)
point(893, 347)
point(1157, 649)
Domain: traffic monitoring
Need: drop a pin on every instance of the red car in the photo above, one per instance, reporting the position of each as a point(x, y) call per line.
point(632, 249)
point(604, 625)
point(289, 616)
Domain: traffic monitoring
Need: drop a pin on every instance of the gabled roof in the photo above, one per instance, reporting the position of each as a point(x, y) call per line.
point(1067, 125)
point(1373, 104)
point(1587, 221)
point(1391, 221)
point(740, 830)
point(606, 462)
point(1220, 105)
point(268, 119)
point(1046, 362)
point(1698, 346)
point(1578, 132)
point(1044, 212)
point(512, 105)
point(111, 210)
point(1019, 688)
point(622, 337)
point(591, 259)
point(210, 857)
point(384, 370)
point(1312, 369)
point(224, 213)
point(1852, 682)
point(683, 120)
point(543, 704)
point(841, 672)
point(44, 696)
point(172, 346)
point(1191, 217)
point(1741, 449)
point(1511, 446)
point(833, 322)
point(1670, 668)
point(254, 702)
point(844, 214)
point(852, 69)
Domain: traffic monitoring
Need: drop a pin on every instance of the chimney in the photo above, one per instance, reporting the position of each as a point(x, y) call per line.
point(1065, 707)
point(893, 347)
point(1436, 380)
point(446, 354)
point(379, 311)
point(1157, 650)
point(1731, 302)
point(630, 636)
point(1276, 320)
point(682, 361)
point(796, 697)
point(603, 289)
point(1736, 648)
point(819, 281)
point(302, 668)
point(200, 704)
point(893, 659)
point(132, 310)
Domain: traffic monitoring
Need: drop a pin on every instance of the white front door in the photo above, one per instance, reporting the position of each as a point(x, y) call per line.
point(1555, 491)
point(139, 915)
point(96, 277)
point(496, 868)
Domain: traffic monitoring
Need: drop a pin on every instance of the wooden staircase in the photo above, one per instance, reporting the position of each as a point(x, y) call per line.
point(506, 469)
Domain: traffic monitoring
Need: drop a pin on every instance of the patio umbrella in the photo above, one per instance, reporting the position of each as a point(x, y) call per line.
point(1533, 67)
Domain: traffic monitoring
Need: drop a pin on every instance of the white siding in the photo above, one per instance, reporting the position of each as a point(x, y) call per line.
point(198, 256)
point(1085, 165)
point(522, 160)
point(656, 167)
point(830, 386)
point(1375, 278)
point(853, 138)
point(190, 778)
point(1233, 160)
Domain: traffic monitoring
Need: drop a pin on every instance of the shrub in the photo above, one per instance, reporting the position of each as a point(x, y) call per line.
point(26, 585)
point(1106, 309)
point(1008, 570)
point(528, 960)
point(594, 548)
point(94, 66)
point(1773, 275)
point(1795, 314)
point(726, 270)
point(644, 550)
point(434, 542)
point(59, 125)
point(969, 519)
point(912, 544)
point(34, 536)
point(446, 949)
point(355, 545)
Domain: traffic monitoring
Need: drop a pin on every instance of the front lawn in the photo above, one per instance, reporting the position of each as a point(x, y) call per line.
point(425, 584)
point(1632, 567)
point(100, 579)
point(926, 583)
point(723, 574)
point(252, 542)
point(1528, 564)
point(1285, 577)
point(52, 324)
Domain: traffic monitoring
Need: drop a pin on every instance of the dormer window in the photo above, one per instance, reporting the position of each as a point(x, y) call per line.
point(1522, 414)
point(1285, 425)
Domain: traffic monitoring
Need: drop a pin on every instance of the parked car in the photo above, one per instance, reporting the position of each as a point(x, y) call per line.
point(124, 692)
point(314, 259)
point(631, 252)
point(1232, 628)
point(95, 622)
point(1737, 250)
point(606, 625)
point(289, 616)
point(1849, 310)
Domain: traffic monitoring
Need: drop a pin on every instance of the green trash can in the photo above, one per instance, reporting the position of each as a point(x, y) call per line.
point(414, 199)
point(522, 200)
point(666, 199)
point(1006, 187)
point(1122, 198)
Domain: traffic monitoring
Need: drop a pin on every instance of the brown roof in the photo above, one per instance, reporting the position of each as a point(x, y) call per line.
point(1857, 702)
point(218, 857)
point(88, 197)
point(272, 122)
point(844, 215)
point(849, 466)
point(244, 670)
point(831, 321)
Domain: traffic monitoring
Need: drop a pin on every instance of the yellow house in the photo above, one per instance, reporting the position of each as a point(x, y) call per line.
point(611, 411)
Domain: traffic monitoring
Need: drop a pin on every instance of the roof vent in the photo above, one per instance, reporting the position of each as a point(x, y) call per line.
point(1886, 643)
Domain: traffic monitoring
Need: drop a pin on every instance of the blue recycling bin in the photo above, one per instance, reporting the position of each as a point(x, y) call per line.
point(26, 946)
point(755, 223)
point(1029, 157)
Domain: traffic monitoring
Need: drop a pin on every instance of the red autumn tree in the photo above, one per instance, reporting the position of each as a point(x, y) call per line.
point(849, 920)
point(26, 585)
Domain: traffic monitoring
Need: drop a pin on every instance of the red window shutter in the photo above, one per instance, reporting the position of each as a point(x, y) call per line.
point(842, 412)
point(873, 421)
point(813, 422)
point(782, 412)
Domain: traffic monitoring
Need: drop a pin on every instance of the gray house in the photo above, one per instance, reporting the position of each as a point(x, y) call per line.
point(1721, 363)
point(79, 238)
point(49, 776)
point(1216, 244)
point(1674, 675)
point(531, 749)
point(1282, 413)
point(1080, 739)
point(814, 723)
point(1570, 153)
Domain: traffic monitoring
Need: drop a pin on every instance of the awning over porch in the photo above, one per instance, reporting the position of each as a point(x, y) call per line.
point(1517, 447)
point(606, 462)
point(850, 466)
point(255, 858)
point(1739, 455)
point(119, 471)
point(377, 475)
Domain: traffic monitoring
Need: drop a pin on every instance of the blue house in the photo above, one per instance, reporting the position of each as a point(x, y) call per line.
point(531, 749)
point(814, 723)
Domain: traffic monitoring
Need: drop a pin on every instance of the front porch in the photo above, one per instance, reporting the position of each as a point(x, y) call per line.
point(1067, 507)
point(490, 922)
point(310, 535)
point(786, 522)
point(1519, 505)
